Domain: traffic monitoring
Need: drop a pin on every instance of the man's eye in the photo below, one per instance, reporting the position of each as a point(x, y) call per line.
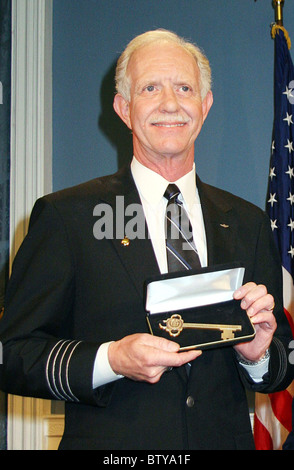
point(185, 88)
point(150, 88)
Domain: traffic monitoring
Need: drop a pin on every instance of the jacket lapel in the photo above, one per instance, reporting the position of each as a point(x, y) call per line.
point(219, 226)
point(135, 253)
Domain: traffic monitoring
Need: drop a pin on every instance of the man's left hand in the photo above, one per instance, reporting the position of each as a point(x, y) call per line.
point(259, 306)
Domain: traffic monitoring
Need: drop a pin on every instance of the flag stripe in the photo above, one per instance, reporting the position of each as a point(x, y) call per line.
point(281, 403)
point(262, 437)
point(269, 433)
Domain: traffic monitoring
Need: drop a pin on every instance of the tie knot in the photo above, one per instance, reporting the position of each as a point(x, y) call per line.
point(171, 192)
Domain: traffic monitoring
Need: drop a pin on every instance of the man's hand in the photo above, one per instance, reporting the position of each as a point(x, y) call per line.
point(144, 357)
point(259, 306)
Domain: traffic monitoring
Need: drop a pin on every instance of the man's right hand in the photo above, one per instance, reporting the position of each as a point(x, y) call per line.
point(144, 357)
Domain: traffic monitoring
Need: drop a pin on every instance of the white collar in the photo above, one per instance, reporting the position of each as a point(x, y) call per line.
point(152, 186)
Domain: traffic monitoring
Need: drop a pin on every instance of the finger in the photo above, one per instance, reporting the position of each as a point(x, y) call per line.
point(167, 352)
point(185, 357)
point(264, 303)
point(255, 294)
point(166, 358)
point(159, 362)
point(243, 290)
point(265, 319)
point(271, 308)
point(160, 343)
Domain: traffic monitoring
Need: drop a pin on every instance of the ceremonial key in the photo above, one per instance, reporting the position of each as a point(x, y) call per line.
point(175, 325)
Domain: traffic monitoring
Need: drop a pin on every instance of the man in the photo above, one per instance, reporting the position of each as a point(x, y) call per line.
point(75, 325)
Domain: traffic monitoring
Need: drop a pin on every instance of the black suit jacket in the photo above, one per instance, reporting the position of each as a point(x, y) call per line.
point(70, 292)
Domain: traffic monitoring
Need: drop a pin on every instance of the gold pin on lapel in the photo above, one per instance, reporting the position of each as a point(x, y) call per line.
point(125, 241)
point(224, 225)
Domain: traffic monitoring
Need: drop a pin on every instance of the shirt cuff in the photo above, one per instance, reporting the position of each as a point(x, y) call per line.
point(258, 369)
point(102, 372)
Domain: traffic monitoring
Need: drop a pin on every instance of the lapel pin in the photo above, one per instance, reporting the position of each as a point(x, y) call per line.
point(224, 225)
point(125, 241)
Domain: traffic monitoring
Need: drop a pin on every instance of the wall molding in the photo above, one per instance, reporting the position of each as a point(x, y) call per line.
point(53, 430)
point(31, 168)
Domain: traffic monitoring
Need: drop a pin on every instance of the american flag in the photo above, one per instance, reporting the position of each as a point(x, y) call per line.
point(273, 412)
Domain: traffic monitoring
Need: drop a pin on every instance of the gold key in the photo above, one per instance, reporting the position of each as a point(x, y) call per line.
point(175, 325)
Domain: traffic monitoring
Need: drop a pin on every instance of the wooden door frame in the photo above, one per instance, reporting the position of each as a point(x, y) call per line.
point(31, 169)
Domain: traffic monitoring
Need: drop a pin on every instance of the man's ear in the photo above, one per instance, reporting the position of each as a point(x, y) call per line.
point(206, 104)
point(122, 108)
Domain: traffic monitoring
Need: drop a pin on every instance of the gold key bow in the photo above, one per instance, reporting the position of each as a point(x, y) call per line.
point(175, 325)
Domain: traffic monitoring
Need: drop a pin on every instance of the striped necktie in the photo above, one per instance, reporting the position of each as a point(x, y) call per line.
point(181, 250)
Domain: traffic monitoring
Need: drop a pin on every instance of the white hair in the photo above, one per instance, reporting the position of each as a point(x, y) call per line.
point(160, 35)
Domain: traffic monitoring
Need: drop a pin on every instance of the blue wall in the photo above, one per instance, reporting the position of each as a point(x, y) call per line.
point(233, 149)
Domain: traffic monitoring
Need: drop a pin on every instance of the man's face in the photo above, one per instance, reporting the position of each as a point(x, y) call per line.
point(165, 112)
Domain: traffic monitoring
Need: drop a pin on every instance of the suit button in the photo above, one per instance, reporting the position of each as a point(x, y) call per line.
point(190, 401)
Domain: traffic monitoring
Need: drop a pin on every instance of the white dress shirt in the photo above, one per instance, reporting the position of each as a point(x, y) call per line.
point(151, 187)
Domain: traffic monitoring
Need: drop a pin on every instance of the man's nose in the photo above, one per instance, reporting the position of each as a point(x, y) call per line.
point(169, 102)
